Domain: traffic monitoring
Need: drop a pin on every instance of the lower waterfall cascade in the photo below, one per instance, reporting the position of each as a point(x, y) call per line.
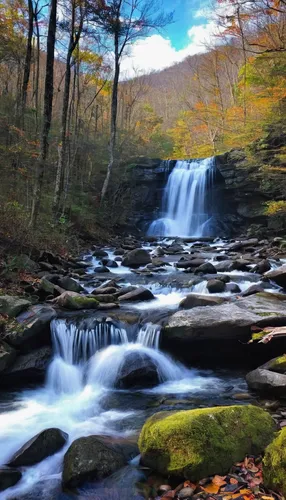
point(87, 358)
point(184, 211)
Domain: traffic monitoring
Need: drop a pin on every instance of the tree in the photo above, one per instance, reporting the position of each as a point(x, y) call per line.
point(47, 113)
point(123, 21)
point(27, 66)
point(74, 26)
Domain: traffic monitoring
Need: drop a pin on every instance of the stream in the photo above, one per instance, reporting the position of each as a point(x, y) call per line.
point(82, 395)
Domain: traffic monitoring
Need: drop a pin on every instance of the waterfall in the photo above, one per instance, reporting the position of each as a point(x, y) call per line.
point(73, 346)
point(184, 201)
point(149, 335)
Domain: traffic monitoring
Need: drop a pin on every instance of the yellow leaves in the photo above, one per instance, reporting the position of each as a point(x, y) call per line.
point(275, 207)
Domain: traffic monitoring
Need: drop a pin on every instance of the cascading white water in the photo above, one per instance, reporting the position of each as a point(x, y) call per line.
point(149, 335)
point(184, 200)
point(73, 346)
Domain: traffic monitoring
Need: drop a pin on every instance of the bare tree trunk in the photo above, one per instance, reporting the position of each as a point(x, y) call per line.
point(28, 58)
point(114, 106)
point(73, 42)
point(47, 115)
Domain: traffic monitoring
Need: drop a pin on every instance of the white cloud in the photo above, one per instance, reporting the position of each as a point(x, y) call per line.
point(156, 52)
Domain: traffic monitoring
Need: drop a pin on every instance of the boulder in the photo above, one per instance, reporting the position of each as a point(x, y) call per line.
point(278, 276)
point(38, 448)
point(216, 286)
point(46, 286)
point(136, 258)
point(269, 306)
point(269, 378)
point(274, 463)
point(110, 290)
point(175, 443)
point(7, 356)
point(8, 477)
point(33, 328)
point(226, 321)
point(98, 252)
point(109, 263)
point(232, 288)
point(29, 367)
point(70, 284)
point(101, 269)
point(12, 305)
point(137, 371)
point(206, 268)
point(196, 300)
point(75, 301)
point(186, 264)
point(224, 266)
point(105, 298)
point(253, 289)
point(139, 294)
point(93, 458)
point(262, 267)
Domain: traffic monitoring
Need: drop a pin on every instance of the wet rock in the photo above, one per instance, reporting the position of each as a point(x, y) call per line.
point(262, 267)
point(232, 288)
point(7, 356)
point(101, 269)
point(253, 289)
point(75, 301)
point(29, 367)
point(93, 458)
point(109, 263)
point(138, 294)
point(278, 276)
point(107, 306)
point(136, 258)
point(38, 448)
point(269, 378)
point(47, 287)
point(70, 284)
point(224, 266)
point(119, 251)
point(190, 263)
point(8, 477)
point(196, 300)
point(98, 252)
point(32, 328)
point(220, 322)
point(13, 305)
point(105, 298)
point(215, 286)
point(46, 266)
point(109, 290)
point(242, 265)
point(206, 268)
point(137, 371)
point(228, 433)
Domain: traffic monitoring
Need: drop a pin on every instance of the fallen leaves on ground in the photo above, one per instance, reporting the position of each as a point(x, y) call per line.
point(243, 482)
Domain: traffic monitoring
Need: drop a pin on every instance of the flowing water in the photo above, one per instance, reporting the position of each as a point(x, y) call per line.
point(184, 201)
point(87, 360)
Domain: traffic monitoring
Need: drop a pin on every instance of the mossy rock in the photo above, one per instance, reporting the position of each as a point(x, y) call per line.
point(198, 443)
point(75, 301)
point(274, 468)
point(278, 365)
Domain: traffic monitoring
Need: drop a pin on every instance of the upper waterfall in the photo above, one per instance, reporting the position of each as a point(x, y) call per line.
point(184, 209)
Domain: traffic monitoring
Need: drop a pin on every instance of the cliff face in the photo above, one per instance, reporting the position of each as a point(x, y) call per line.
point(244, 181)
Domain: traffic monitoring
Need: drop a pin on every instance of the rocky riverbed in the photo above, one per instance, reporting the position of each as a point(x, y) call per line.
point(95, 345)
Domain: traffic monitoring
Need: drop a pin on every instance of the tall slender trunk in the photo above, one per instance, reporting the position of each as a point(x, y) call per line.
point(73, 42)
point(113, 118)
point(47, 114)
point(28, 58)
point(36, 94)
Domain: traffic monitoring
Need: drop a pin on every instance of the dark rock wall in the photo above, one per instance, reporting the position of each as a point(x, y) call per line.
point(244, 181)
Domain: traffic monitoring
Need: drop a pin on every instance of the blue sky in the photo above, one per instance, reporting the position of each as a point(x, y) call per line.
point(191, 31)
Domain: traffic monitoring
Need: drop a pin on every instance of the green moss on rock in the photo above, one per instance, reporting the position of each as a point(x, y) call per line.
point(198, 443)
point(82, 302)
point(275, 463)
point(278, 365)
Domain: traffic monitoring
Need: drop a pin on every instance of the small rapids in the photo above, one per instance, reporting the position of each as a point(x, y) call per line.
point(87, 360)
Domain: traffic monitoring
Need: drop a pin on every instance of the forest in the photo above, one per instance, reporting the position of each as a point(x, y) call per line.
point(68, 117)
point(142, 250)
